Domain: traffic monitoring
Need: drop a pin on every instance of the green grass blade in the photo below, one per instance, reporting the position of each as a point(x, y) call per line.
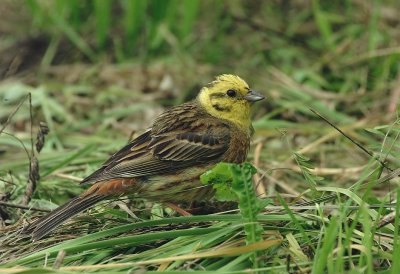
point(102, 13)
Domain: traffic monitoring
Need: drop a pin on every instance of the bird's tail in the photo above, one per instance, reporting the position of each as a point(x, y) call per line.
point(47, 223)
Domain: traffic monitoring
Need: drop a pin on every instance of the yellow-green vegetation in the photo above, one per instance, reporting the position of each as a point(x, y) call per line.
point(99, 72)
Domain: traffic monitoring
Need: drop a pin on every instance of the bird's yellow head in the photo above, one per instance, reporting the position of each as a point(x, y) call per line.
point(229, 97)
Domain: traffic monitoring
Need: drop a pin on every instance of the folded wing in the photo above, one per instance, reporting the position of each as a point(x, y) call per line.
point(157, 153)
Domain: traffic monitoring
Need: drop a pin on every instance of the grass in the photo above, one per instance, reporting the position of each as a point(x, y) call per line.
point(110, 67)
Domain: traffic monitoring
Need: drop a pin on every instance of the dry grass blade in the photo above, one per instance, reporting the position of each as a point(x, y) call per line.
point(230, 251)
point(9, 118)
point(395, 173)
point(351, 140)
point(23, 207)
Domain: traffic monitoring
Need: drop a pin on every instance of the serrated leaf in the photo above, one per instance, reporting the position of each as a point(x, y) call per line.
point(220, 177)
point(306, 167)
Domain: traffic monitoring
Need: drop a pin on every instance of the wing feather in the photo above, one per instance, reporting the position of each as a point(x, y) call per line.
point(167, 150)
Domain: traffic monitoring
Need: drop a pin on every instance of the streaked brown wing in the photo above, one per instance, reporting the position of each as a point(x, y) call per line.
point(190, 146)
point(167, 152)
point(138, 145)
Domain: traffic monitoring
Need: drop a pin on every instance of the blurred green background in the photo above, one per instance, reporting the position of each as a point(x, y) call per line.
point(339, 46)
point(100, 71)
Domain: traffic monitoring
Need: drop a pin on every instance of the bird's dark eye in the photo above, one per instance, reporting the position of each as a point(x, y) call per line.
point(231, 93)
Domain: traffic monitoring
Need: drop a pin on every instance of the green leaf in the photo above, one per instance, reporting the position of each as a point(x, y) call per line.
point(220, 177)
point(237, 180)
point(305, 167)
point(249, 204)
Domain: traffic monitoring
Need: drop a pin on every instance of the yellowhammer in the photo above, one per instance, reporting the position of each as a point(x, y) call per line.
point(165, 162)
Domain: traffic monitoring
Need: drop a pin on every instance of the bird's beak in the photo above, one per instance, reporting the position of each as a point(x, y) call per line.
point(253, 96)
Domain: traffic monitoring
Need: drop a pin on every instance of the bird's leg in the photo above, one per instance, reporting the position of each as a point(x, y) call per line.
point(177, 209)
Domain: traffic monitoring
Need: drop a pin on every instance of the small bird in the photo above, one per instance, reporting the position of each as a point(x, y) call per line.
point(165, 162)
